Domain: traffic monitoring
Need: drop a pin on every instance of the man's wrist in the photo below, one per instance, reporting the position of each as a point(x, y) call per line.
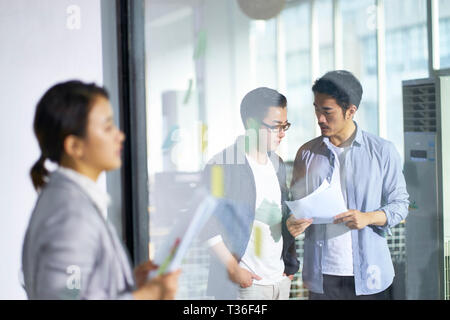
point(377, 218)
point(232, 268)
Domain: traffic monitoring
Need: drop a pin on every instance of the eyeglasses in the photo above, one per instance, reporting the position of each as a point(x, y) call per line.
point(277, 128)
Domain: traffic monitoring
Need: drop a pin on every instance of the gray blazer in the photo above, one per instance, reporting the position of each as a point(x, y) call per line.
point(70, 251)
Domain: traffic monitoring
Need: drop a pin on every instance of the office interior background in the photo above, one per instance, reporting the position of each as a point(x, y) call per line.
point(177, 71)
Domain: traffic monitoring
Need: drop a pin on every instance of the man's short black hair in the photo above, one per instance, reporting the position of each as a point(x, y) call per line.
point(329, 88)
point(341, 85)
point(256, 103)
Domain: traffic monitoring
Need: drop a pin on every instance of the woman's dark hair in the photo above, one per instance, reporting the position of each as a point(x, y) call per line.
point(328, 87)
point(256, 102)
point(62, 111)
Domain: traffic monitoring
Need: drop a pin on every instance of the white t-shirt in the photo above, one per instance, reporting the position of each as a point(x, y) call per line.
point(263, 254)
point(337, 258)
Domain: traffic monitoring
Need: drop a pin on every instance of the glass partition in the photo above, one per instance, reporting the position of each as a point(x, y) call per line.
point(203, 57)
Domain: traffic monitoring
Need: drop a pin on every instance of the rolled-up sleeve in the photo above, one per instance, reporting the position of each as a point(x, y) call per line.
point(394, 194)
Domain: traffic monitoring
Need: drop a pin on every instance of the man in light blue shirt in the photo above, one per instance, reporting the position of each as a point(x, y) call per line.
point(349, 259)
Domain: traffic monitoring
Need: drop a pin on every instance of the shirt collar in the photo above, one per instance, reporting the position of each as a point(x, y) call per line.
point(100, 198)
point(359, 136)
point(358, 140)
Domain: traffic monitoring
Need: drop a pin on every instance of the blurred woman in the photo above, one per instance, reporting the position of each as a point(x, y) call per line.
point(70, 250)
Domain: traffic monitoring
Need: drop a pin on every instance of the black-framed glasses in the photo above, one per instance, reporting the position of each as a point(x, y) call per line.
point(277, 128)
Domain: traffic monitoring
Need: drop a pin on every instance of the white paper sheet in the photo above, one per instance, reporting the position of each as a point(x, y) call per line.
point(322, 205)
point(170, 257)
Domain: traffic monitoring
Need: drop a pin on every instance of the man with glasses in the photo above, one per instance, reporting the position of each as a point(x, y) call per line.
point(254, 249)
point(350, 258)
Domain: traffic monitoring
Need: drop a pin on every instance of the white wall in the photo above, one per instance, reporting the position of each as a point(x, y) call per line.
point(41, 42)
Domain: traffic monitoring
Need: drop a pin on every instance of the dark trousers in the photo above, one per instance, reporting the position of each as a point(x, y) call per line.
point(343, 288)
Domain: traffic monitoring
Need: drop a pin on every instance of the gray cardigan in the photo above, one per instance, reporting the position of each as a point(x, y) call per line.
point(70, 251)
point(235, 225)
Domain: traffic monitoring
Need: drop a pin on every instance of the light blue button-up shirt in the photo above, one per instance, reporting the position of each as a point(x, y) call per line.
point(374, 181)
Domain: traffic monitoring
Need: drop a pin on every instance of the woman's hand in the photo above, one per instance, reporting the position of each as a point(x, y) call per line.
point(162, 287)
point(141, 272)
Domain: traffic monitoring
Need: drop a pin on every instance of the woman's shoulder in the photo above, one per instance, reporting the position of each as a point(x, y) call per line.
point(62, 199)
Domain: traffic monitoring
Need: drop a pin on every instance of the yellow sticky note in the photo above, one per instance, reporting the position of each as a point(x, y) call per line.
point(204, 139)
point(217, 181)
point(258, 240)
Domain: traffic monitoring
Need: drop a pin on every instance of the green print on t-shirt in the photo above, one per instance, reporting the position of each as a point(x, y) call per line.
point(270, 214)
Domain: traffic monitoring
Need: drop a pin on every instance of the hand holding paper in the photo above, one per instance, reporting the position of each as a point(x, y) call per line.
point(297, 226)
point(141, 272)
point(322, 205)
point(355, 219)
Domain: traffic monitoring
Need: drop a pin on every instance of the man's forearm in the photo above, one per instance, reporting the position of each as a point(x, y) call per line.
point(232, 265)
point(377, 218)
point(225, 256)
